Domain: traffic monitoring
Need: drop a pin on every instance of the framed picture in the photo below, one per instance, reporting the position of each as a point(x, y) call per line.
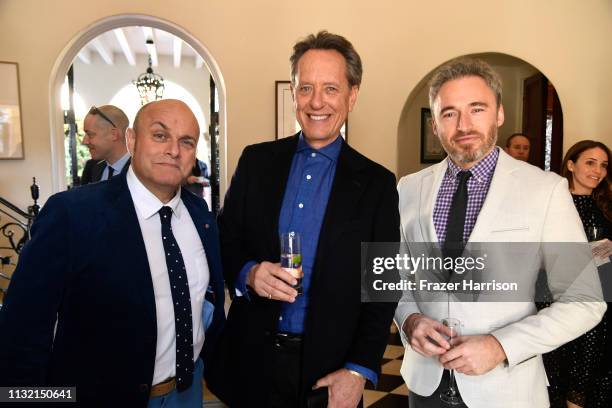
point(11, 138)
point(286, 123)
point(431, 148)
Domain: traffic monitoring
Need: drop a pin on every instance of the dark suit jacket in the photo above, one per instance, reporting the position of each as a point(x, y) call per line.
point(362, 207)
point(92, 172)
point(86, 268)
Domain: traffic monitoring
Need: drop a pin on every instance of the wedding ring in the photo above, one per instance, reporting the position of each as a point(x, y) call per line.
point(270, 296)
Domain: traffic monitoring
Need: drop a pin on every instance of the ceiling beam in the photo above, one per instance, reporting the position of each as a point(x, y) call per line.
point(177, 45)
point(105, 53)
point(149, 35)
point(125, 46)
point(85, 56)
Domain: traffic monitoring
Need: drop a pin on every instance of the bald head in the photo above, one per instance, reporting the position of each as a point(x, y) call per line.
point(165, 104)
point(163, 145)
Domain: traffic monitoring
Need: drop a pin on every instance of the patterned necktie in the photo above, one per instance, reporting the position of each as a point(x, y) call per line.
point(110, 172)
point(454, 245)
point(181, 301)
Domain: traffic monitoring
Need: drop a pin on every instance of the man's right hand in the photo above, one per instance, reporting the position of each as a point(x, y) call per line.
point(423, 333)
point(271, 281)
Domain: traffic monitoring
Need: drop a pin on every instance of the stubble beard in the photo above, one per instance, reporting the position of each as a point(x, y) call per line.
point(467, 154)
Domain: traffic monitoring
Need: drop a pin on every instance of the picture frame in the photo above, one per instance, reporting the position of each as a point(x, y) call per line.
point(11, 125)
point(286, 122)
point(431, 148)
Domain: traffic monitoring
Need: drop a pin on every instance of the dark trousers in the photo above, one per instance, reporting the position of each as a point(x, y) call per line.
point(286, 372)
point(433, 401)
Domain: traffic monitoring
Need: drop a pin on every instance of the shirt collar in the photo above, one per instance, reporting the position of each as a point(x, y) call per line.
point(481, 172)
point(145, 202)
point(331, 151)
point(118, 165)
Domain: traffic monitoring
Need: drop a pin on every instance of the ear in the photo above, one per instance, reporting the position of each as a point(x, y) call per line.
point(434, 128)
point(500, 115)
point(130, 137)
point(570, 166)
point(353, 97)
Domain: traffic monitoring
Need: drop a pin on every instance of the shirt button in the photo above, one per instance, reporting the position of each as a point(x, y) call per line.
point(280, 318)
point(301, 205)
point(313, 155)
point(308, 177)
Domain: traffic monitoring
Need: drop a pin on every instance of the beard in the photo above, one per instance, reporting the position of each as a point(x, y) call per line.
point(469, 153)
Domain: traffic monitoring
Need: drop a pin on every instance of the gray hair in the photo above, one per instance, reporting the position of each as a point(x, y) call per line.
point(324, 40)
point(465, 67)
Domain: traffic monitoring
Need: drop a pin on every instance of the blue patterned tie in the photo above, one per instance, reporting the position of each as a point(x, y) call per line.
point(181, 302)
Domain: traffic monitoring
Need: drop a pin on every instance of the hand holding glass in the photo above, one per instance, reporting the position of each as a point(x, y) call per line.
point(291, 257)
point(451, 395)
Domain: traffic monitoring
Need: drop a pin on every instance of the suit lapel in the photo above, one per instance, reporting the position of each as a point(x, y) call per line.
point(502, 209)
point(123, 226)
point(275, 185)
point(347, 188)
point(98, 169)
point(430, 185)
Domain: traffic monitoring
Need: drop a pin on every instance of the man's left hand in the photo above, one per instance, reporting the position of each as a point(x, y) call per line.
point(344, 388)
point(473, 355)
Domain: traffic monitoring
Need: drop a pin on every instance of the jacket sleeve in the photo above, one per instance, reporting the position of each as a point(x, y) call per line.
point(29, 314)
point(578, 304)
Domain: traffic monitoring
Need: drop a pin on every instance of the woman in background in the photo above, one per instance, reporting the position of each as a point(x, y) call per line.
point(580, 374)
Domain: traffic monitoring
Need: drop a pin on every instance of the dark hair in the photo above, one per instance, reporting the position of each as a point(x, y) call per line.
point(512, 136)
point(324, 40)
point(465, 67)
point(601, 194)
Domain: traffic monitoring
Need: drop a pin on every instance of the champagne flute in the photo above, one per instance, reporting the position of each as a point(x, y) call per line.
point(451, 395)
point(291, 257)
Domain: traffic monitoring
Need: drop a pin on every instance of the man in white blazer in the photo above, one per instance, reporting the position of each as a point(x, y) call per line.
point(497, 360)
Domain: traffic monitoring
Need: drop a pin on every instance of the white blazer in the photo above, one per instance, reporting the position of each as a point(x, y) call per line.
point(524, 204)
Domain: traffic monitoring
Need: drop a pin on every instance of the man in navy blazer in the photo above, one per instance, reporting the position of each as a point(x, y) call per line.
point(94, 302)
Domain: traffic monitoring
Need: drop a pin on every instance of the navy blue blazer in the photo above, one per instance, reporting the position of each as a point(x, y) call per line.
point(86, 268)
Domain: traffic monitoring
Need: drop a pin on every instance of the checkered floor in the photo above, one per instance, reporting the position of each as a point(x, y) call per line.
point(391, 391)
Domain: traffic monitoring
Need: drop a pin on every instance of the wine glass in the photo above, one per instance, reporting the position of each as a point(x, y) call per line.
point(451, 395)
point(291, 257)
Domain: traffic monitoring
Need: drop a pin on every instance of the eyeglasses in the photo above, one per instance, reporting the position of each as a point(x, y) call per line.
point(95, 111)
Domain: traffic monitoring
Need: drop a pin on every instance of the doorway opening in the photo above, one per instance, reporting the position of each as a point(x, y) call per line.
point(99, 67)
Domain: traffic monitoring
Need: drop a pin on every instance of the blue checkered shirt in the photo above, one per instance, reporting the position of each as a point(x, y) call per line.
point(478, 186)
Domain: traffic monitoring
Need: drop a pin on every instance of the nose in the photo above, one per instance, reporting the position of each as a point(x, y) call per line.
point(464, 123)
point(172, 148)
point(86, 140)
point(316, 100)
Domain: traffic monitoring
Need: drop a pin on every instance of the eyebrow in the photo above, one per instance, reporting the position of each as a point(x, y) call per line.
point(160, 124)
point(473, 104)
point(594, 159)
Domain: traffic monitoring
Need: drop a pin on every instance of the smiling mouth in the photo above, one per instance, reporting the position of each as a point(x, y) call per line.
point(318, 117)
point(176, 166)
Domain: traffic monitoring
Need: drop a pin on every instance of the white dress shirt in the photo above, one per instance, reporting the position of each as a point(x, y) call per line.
point(147, 207)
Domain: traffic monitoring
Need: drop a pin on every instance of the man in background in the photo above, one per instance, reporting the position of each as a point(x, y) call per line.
point(104, 128)
point(518, 146)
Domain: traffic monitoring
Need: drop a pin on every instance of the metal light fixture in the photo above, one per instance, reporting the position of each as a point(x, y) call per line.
point(149, 84)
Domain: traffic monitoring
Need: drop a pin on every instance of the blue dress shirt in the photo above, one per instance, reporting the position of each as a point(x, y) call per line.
point(310, 181)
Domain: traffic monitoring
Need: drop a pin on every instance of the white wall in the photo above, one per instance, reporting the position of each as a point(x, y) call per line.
point(400, 42)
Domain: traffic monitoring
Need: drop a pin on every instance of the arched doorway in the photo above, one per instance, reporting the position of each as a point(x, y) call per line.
point(69, 53)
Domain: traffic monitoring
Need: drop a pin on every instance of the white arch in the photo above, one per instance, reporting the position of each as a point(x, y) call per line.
point(69, 53)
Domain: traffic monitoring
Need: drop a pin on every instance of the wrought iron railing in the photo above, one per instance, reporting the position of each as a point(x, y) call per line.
point(15, 227)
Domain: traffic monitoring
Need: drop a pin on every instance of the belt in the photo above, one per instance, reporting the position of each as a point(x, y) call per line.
point(287, 341)
point(163, 388)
